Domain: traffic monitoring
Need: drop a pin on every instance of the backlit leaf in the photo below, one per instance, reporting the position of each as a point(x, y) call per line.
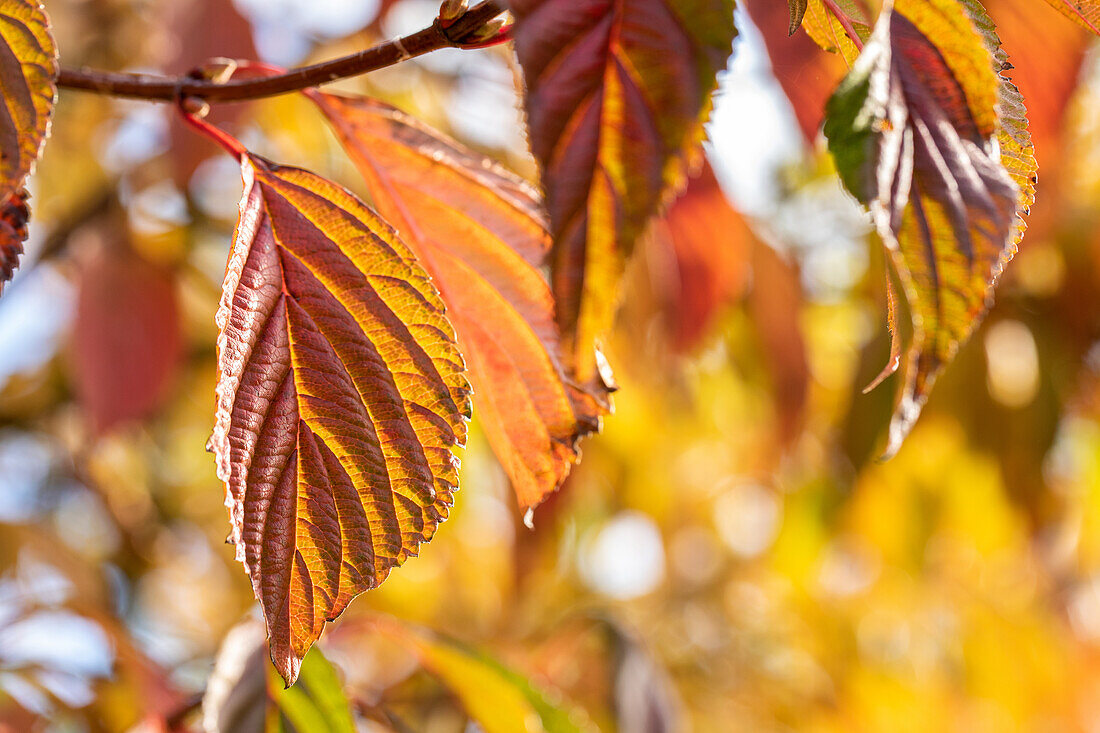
point(28, 70)
point(916, 131)
point(1014, 139)
point(797, 10)
point(341, 397)
point(480, 233)
point(13, 232)
point(617, 93)
point(1085, 12)
point(832, 26)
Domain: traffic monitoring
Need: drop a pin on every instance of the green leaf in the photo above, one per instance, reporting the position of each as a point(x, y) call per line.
point(498, 698)
point(246, 694)
point(317, 701)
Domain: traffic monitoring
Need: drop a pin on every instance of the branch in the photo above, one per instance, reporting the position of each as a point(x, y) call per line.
point(457, 34)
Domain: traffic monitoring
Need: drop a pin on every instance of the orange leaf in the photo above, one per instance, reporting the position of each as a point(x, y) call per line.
point(28, 70)
point(617, 93)
point(1085, 12)
point(709, 246)
point(341, 398)
point(479, 231)
point(1047, 57)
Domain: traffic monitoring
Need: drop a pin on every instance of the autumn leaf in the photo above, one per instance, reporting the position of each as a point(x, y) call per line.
point(28, 70)
point(914, 129)
point(617, 93)
point(13, 232)
point(127, 340)
point(797, 9)
point(481, 234)
point(838, 26)
point(704, 250)
point(1085, 12)
point(807, 76)
point(341, 397)
point(1014, 138)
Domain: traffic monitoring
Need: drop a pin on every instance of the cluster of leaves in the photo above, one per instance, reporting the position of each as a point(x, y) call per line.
point(355, 341)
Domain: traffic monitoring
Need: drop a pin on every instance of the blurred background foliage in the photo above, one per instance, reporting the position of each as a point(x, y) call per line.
point(730, 555)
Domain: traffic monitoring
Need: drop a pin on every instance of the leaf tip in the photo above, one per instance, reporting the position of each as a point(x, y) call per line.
point(798, 12)
point(14, 214)
point(905, 417)
point(886, 373)
point(288, 664)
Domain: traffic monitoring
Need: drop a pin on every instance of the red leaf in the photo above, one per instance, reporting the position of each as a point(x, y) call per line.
point(127, 343)
point(341, 397)
point(14, 214)
point(617, 93)
point(710, 245)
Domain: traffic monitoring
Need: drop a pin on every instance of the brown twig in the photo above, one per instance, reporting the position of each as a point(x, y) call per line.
point(458, 34)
